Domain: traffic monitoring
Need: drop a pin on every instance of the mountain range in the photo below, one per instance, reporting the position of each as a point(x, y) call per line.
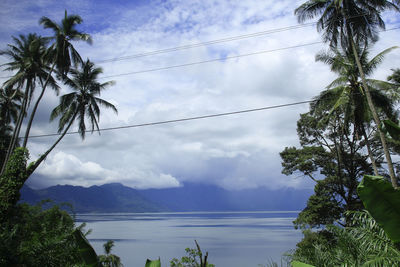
point(116, 197)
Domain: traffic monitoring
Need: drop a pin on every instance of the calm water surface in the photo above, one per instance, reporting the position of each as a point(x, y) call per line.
point(232, 239)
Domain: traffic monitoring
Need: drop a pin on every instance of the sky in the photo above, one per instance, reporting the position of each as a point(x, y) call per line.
point(234, 152)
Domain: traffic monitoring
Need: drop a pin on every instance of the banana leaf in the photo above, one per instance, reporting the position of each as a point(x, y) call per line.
point(393, 129)
point(86, 251)
point(155, 263)
point(383, 203)
point(301, 264)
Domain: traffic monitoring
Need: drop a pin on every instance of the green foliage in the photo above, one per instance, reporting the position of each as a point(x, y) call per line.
point(12, 181)
point(321, 209)
point(86, 251)
point(109, 260)
point(32, 236)
point(153, 263)
point(393, 129)
point(383, 202)
point(330, 156)
point(363, 243)
point(300, 264)
point(194, 258)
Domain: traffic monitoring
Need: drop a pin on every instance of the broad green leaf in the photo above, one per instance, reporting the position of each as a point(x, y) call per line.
point(86, 251)
point(393, 129)
point(301, 264)
point(155, 263)
point(383, 203)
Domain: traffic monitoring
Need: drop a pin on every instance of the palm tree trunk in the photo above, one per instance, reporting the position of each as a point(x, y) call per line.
point(28, 128)
point(20, 119)
point(373, 110)
point(34, 166)
point(17, 129)
point(371, 156)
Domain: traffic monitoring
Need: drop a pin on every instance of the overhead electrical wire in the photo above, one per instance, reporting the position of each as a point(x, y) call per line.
point(217, 41)
point(210, 60)
point(233, 38)
point(219, 59)
point(180, 119)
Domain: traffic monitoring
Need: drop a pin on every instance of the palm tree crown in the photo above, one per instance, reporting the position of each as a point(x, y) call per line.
point(64, 33)
point(83, 102)
point(337, 17)
point(29, 58)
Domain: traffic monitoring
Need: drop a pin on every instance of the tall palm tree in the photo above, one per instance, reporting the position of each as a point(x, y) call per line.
point(60, 52)
point(346, 92)
point(28, 60)
point(64, 52)
point(81, 104)
point(352, 23)
point(9, 105)
point(9, 109)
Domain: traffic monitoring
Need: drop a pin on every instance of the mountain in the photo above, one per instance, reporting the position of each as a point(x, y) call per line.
point(199, 197)
point(106, 198)
point(191, 197)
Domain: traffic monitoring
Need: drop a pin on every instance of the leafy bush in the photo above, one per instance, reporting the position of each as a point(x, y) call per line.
point(32, 236)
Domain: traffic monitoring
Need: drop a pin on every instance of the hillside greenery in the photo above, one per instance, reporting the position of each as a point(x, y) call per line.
point(353, 218)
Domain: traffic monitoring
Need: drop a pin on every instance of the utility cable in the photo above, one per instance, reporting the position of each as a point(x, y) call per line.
point(217, 41)
point(181, 119)
point(214, 42)
point(211, 60)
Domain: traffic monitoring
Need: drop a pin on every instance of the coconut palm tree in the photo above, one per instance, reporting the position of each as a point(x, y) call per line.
point(9, 109)
point(28, 59)
point(352, 23)
point(109, 260)
point(81, 104)
point(346, 92)
point(64, 33)
point(60, 53)
point(395, 77)
point(9, 105)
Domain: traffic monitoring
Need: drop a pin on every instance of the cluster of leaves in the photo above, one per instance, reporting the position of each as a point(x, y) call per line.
point(344, 122)
point(32, 236)
point(12, 181)
point(109, 259)
point(371, 237)
point(194, 258)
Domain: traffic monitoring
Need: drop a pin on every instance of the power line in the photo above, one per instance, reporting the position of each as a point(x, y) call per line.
point(182, 119)
point(211, 60)
point(217, 41)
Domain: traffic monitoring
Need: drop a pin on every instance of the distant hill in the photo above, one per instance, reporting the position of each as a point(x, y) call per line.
point(191, 197)
point(106, 198)
point(198, 197)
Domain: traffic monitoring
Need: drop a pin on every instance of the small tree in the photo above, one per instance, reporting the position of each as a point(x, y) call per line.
point(194, 259)
point(109, 260)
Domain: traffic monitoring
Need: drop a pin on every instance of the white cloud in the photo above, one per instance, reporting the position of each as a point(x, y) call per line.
point(234, 151)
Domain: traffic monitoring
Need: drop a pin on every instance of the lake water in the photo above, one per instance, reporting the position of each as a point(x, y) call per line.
point(234, 239)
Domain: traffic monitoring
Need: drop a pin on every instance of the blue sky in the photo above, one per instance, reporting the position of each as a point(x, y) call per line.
point(233, 152)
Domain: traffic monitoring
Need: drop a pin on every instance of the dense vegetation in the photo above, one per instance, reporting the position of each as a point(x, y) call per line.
point(31, 235)
point(343, 139)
